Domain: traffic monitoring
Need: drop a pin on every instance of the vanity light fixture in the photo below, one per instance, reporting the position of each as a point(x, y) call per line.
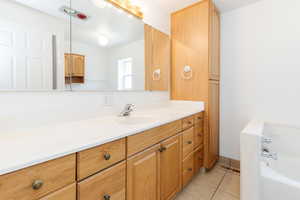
point(103, 41)
point(127, 6)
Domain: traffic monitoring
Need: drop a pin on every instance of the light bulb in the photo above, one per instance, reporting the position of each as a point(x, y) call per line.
point(103, 41)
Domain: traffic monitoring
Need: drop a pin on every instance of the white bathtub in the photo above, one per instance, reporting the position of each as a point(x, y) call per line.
point(264, 178)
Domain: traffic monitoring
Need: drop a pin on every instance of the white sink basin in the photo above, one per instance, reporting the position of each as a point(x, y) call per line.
point(131, 120)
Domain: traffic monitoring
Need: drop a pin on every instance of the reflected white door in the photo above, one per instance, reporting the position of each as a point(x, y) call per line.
point(25, 58)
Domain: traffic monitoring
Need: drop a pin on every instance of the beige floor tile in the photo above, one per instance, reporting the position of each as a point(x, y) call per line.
point(224, 196)
point(211, 178)
point(231, 184)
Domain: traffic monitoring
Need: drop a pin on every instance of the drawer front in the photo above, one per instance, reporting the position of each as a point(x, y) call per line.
point(67, 193)
point(188, 169)
point(141, 141)
point(198, 159)
point(39, 180)
point(106, 185)
point(96, 159)
point(199, 117)
point(187, 142)
point(198, 136)
point(187, 122)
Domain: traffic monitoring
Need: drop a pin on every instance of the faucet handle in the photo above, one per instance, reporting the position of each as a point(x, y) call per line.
point(130, 106)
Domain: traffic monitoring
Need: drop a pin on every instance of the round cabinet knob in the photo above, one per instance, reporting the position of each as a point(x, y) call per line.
point(162, 149)
point(190, 169)
point(107, 156)
point(189, 142)
point(189, 122)
point(106, 197)
point(37, 184)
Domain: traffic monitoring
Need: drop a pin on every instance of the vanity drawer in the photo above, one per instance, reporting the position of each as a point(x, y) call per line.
point(187, 122)
point(199, 117)
point(106, 185)
point(198, 159)
point(187, 142)
point(98, 158)
point(198, 135)
point(39, 180)
point(141, 141)
point(67, 193)
point(187, 169)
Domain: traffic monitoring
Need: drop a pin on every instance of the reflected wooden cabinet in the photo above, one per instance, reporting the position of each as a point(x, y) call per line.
point(157, 59)
point(195, 64)
point(75, 68)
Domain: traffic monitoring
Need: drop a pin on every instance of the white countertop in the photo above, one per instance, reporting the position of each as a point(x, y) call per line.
point(26, 147)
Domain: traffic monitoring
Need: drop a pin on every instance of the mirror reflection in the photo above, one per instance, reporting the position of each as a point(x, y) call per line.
point(107, 47)
point(33, 37)
point(63, 44)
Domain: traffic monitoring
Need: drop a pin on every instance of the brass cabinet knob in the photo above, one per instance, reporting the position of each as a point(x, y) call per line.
point(107, 156)
point(162, 149)
point(189, 142)
point(189, 122)
point(37, 184)
point(106, 197)
point(190, 169)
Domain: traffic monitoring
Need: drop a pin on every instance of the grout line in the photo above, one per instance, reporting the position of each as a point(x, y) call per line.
point(219, 185)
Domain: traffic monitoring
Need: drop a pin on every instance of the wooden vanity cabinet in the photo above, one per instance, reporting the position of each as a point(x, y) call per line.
point(157, 59)
point(74, 67)
point(143, 175)
point(109, 184)
point(195, 36)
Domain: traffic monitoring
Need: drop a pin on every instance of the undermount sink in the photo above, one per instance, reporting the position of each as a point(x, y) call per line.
point(131, 120)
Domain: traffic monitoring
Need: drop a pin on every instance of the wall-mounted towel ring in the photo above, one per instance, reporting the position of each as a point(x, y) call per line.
point(156, 75)
point(187, 72)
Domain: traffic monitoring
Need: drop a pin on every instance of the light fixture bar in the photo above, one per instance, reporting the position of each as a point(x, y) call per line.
point(128, 7)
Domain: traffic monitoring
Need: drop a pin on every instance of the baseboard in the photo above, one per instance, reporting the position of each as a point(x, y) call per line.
point(229, 163)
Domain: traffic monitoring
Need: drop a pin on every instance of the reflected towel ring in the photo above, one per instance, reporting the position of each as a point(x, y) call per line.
point(187, 72)
point(156, 75)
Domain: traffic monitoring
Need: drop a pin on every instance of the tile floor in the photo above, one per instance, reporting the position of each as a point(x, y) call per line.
point(217, 184)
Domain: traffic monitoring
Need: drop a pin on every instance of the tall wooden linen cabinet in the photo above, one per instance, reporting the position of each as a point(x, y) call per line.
point(195, 72)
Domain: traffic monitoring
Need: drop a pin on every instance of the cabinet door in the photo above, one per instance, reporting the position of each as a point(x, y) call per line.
point(67, 65)
point(213, 115)
point(157, 53)
point(214, 66)
point(78, 65)
point(143, 175)
point(67, 193)
point(170, 168)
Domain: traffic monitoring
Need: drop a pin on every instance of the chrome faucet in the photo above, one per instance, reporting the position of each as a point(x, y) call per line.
point(127, 110)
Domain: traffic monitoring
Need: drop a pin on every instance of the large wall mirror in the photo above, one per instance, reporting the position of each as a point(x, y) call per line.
point(70, 45)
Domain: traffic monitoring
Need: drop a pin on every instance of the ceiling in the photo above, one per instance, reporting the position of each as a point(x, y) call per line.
point(118, 27)
point(223, 5)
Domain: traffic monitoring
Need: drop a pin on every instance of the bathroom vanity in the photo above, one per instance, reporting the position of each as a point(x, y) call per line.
point(153, 153)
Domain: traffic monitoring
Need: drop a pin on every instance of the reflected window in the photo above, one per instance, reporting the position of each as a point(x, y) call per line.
point(125, 74)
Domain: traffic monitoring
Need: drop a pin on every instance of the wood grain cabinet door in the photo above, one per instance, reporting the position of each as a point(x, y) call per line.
point(78, 65)
point(143, 175)
point(213, 133)
point(107, 185)
point(170, 168)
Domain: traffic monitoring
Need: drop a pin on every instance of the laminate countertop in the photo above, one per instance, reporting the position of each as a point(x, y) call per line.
point(27, 147)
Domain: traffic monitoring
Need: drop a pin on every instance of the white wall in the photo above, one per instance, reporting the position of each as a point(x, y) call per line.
point(134, 50)
point(260, 68)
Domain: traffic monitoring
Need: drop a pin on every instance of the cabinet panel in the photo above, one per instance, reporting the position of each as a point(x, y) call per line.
point(214, 67)
point(213, 139)
point(78, 65)
point(141, 141)
point(170, 168)
point(143, 175)
point(188, 169)
point(67, 193)
point(108, 185)
point(198, 135)
point(187, 122)
point(157, 53)
point(198, 159)
point(187, 142)
point(39, 180)
point(93, 160)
